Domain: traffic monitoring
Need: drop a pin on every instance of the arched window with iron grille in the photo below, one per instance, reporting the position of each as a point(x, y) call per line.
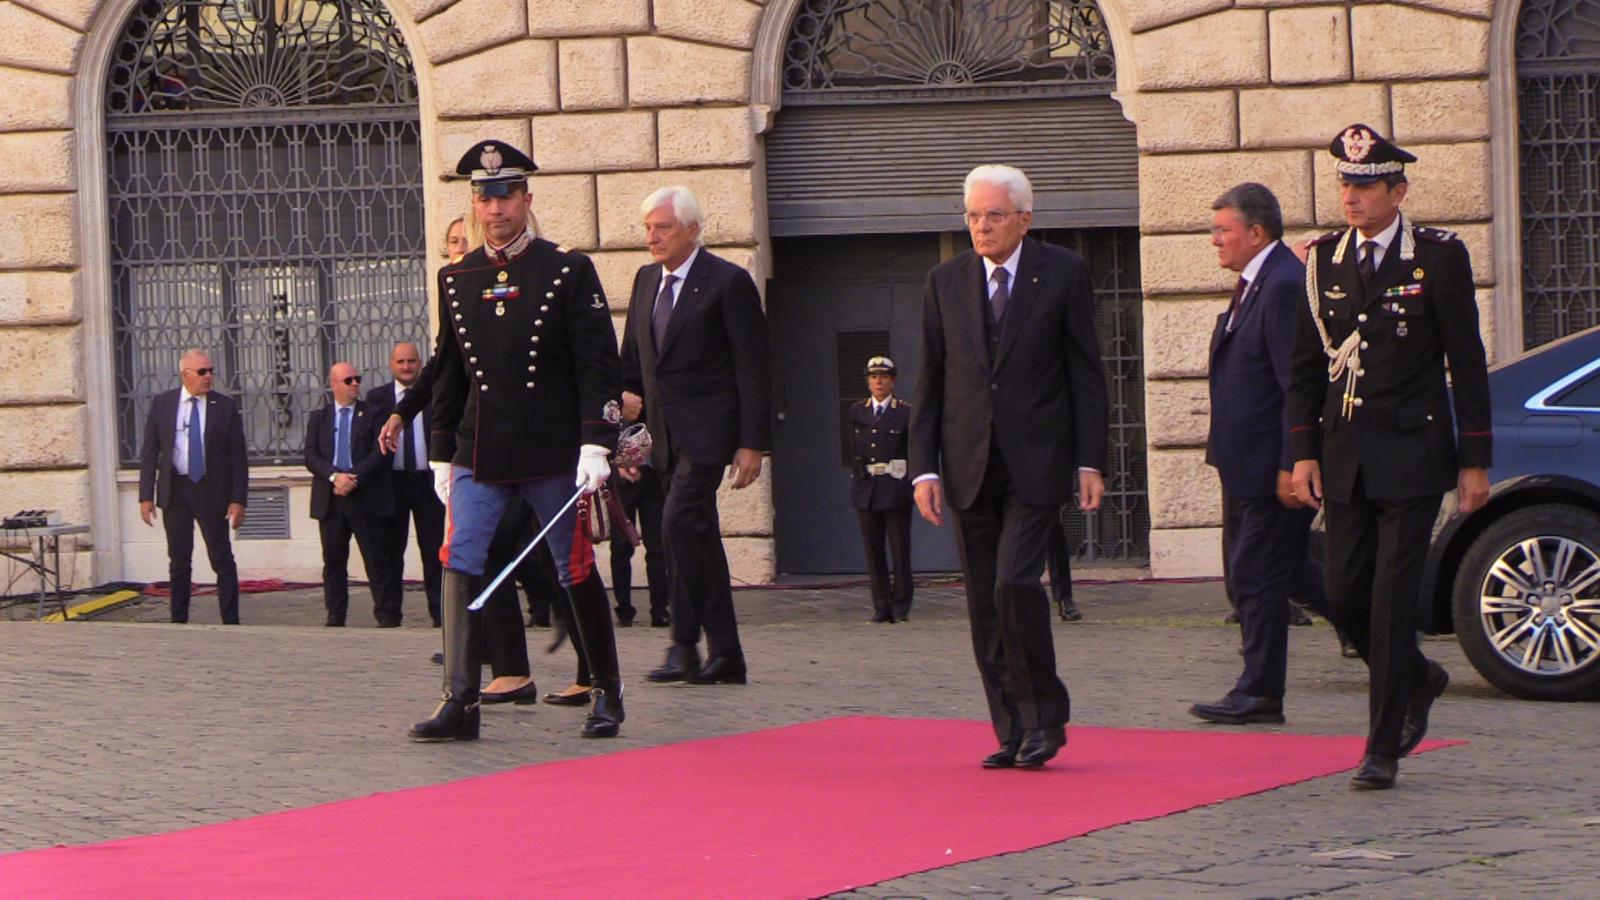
point(1558, 106)
point(265, 196)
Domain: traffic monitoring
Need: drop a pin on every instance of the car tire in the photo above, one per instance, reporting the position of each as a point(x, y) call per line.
point(1558, 625)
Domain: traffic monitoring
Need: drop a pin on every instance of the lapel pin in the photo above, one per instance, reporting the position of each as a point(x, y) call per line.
point(1416, 273)
point(502, 277)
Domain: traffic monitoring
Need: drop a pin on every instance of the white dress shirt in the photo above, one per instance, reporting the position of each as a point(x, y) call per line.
point(419, 441)
point(1249, 273)
point(180, 435)
point(680, 274)
point(1384, 238)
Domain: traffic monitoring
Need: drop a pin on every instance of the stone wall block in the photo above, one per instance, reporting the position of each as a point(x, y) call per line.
point(1177, 336)
point(1181, 264)
point(566, 209)
point(1184, 491)
point(1143, 15)
point(66, 490)
point(1176, 192)
point(1479, 238)
point(1449, 184)
point(1398, 42)
point(1486, 322)
point(475, 86)
point(472, 25)
point(1428, 111)
point(595, 142)
point(1225, 49)
point(41, 365)
point(38, 231)
point(35, 101)
point(454, 137)
point(1482, 9)
point(747, 512)
point(593, 74)
point(751, 560)
point(1188, 120)
point(667, 72)
point(1278, 117)
point(76, 14)
point(718, 136)
point(587, 18)
point(727, 196)
point(37, 161)
point(1177, 412)
point(1309, 44)
point(39, 298)
point(30, 40)
point(617, 268)
point(57, 437)
point(732, 23)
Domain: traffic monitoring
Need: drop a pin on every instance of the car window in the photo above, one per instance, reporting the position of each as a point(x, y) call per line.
point(1585, 394)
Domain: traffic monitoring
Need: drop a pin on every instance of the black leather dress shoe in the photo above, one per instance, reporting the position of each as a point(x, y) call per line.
point(1297, 615)
point(334, 622)
point(625, 616)
point(1239, 710)
point(1040, 746)
point(605, 717)
point(577, 695)
point(438, 659)
point(682, 661)
point(522, 696)
point(882, 615)
point(1068, 610)
point(1004, 758)
point(720, 670)
point(1377, 773)
point(659, 619)
point(452, 721)
point(1231, 618)
point(1347, 649)
point(1422, 697)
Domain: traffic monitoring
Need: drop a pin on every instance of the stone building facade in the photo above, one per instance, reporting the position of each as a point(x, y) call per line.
point(617, 97)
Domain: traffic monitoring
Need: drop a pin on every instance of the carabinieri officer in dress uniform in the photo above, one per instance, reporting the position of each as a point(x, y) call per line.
point(525, 401)
point(1389, 305)
point(879, 489)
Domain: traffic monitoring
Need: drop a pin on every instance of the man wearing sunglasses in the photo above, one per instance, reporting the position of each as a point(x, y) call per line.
point(350, 496)
point(192, 465)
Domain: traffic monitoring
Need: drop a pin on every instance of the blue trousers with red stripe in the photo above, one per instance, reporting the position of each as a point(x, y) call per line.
point(475, 509)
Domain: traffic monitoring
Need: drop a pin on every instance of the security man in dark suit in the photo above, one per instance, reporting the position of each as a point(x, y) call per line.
point(410, 480)
point(525, 390)
point(1011, 408)
point(1390, 305)
point(193, 465)
point(695, 347)
point(350, 496)
point(1267, 528)
point(880, 427)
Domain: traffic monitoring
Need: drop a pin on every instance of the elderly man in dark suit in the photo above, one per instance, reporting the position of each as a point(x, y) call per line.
point(695, 347)
point(350, 496)
point(410, 478)
point(1011, 406)
point(193, 466)
point(1249, 445)
point(1377, 431)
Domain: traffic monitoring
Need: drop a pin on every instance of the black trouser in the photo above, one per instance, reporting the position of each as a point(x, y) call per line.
point(1375, 554)
point(1306, 582)
point(186, 507)
point(1060, 562)
point(877, 525)
point(1003, 543)
point(642, 500)
point(702, 594)
point(416, 503)
point(1265, 546)
point(346, 517)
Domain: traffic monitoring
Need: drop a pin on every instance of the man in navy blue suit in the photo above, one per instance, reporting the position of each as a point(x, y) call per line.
point(1250, 352)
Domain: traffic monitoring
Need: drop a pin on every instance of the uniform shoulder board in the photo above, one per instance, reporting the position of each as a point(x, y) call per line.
point(1324, 238)
point(1438, 235)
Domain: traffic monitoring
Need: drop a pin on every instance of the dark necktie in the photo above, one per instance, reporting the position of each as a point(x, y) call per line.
point(877, 410)
point(410, 437)
point(341, 442)
point(1001, 296)
point(663, 311)
point(1233, 305)
point(197, 450)
point(1367, 265)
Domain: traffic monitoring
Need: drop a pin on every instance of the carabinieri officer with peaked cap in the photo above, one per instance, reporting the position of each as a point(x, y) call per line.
point(525, 401)
point(1390, 304)
point(880, 427)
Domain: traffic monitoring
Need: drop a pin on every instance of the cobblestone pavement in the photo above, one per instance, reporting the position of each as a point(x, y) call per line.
point(115, 728)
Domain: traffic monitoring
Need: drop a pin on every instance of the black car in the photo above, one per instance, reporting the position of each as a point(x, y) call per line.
point(1519, 580)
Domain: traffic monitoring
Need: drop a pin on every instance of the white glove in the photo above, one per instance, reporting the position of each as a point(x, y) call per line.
point(593, 469)
point(441, 480)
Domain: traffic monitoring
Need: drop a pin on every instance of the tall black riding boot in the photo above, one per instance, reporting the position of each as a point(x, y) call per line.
point(456, 719)
point(591, 615)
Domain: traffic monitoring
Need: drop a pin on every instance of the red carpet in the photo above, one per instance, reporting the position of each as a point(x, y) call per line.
point(790, 812)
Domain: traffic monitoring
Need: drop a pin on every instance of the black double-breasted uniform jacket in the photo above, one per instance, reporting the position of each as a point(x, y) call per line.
point(1418, 314)
point(527, 366)
point(879, 440)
